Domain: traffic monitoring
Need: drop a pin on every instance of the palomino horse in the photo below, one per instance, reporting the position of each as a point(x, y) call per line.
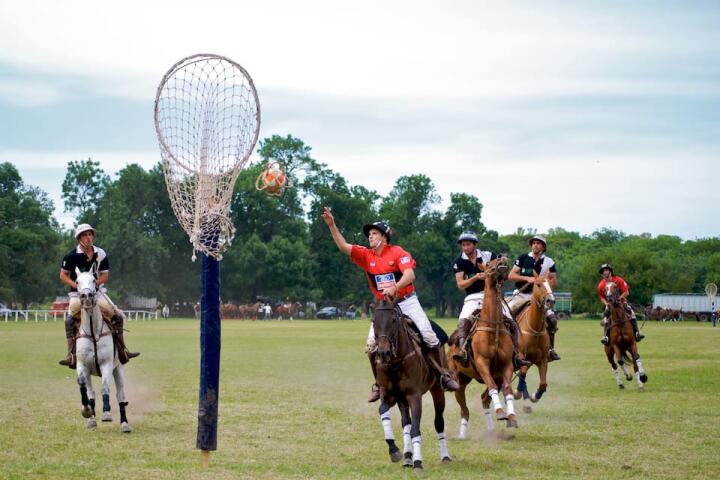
point(404, 376)
point(622, 339)
point(96, 355)
point(492, 353)
point(534, 341)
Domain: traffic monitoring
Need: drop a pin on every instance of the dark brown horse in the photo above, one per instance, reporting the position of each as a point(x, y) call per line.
point(404, 375)
point(492, 353)
point(622, 339)
point(534, 340)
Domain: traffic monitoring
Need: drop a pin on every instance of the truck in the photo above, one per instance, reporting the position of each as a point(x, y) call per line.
point(696, 304)
point(563, 305)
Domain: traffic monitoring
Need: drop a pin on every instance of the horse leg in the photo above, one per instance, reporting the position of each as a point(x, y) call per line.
point(438, 397)
point(642, 377)
point(385, 420)
point(509, 396)
point(542, 369)
point(610, 356)
point(415, 402)
point(84, 400)
point(484, 371)
point(485, 397)
point(462, 402)
point(119, 376)
point(407, 439)
point(91, 423)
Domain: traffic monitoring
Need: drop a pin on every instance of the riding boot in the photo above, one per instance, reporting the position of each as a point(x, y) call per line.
point(375, 389)
point(552, 329)
point(447, 381)
point(70, 360)
point(518, 358)
point(638, 336)
point(606, 330)
point(124, 355)
point(461, 354)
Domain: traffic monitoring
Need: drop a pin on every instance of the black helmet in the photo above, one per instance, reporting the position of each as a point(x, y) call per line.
point(604, 266)
point(540, 238)
point(383, 227)
point(468, 235)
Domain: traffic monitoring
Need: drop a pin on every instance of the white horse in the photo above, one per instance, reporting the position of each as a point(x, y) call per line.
point(96, 355)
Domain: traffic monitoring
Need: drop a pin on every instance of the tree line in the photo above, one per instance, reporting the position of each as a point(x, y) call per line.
point(282, 249)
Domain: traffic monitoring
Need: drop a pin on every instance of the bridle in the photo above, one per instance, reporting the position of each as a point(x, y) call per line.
point(392, 338)
point(612, 295)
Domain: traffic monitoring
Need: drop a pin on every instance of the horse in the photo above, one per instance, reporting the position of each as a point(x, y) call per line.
point(622, 339)
point(492, 353)
point(249, 310)
point(288, 310)
point(96, 355)
point(229, 310)
point(404, 375)
point(534, 340)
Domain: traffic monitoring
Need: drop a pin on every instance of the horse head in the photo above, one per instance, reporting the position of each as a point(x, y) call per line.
point(542, 293)
point(86, 287)
point(612, 293)
point(496, 272)
point(386, 324)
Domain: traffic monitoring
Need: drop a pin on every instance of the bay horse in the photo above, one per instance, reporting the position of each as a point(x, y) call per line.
point(534, 341)
point(97, 355)
point(404, 375)
point(491, 352)
point(622, 339)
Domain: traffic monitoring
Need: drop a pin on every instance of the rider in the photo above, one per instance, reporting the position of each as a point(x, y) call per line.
point(84, 256)
point(522, 275)
point(470, 278)
point(391, 272)
point(606, 270)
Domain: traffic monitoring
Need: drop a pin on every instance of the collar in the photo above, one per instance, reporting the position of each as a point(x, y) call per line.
point(477, 255)
point(542, 256)
point(79, 249)
point(381, 252)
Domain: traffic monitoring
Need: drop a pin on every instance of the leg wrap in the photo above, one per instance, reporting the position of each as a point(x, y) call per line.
point(633, 321)
point(551, 323)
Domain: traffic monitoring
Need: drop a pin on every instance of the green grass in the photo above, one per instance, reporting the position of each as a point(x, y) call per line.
point(292, 405)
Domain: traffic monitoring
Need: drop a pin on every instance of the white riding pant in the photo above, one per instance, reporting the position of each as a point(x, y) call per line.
point(474, 301)
point(412, 308)
point(107, 308)
point(518, 301)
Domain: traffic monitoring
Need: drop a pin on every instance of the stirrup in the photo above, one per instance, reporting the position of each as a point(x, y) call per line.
point(552, 355)
point(130, 354)
point(67, 361)
point(639, 336)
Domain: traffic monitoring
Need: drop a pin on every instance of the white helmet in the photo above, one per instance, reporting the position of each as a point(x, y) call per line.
point(83, 227)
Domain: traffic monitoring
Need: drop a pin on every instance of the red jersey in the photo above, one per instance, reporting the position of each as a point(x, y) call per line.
point(384, 270)
point(622, 285)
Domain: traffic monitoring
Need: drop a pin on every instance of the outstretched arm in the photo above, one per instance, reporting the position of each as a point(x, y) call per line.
point(340, 241)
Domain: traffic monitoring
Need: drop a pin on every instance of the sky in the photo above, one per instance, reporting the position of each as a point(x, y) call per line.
point(580, 115)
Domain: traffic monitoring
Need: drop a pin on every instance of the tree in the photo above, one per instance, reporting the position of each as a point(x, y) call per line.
point(30, 242)
point(84, 185)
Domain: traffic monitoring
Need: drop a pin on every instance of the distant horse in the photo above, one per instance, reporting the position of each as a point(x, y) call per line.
point(249, 310)
point(288, 310)
point(534, 340)
point(404, 376)
point(622, 339)
point(96, 355)
point(229, 311)
point(491, 352)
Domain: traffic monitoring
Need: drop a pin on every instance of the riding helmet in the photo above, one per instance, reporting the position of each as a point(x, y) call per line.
point(604, 266)
point(538, 237)
point(83, 227)
point(383, 227)
point(468, 235)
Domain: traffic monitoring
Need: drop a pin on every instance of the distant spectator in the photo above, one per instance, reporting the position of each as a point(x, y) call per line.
point(268, 311)
point(166, 312)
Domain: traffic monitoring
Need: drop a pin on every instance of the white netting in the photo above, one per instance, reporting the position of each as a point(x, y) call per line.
point(207, 119)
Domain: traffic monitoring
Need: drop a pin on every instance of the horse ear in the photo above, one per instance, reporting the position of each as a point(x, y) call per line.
point(535, 274)
point(77, 271)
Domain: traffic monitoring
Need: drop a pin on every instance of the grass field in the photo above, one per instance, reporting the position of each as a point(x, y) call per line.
point(292, 405)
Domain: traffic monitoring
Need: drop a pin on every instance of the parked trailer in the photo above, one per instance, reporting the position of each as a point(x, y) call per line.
point(696, 304)
point(563, 305)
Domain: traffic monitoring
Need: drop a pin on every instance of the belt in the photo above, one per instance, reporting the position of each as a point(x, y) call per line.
point(405, 297)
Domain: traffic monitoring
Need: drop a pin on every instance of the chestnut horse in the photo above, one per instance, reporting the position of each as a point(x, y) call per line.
point(534, 341)
point(404, 376)
point(491, 353)
point(622, 339)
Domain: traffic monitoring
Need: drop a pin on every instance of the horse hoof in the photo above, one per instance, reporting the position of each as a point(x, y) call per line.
point(527, 409)
point(407, 460)
point(644, 378)
point(91, 424)
point(395, 456)
point(628, 377)
point(517, 395)
point(511, 423)
point(446, 460)
point(417, 466)
point(125, 428)
point(501, 415)
point(621, 386)
point(106, 417)
point(86, 412)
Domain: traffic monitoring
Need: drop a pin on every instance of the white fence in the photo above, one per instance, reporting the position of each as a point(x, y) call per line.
point(54, 315)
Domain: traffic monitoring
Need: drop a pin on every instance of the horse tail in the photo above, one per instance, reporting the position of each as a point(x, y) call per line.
point(627, 357)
